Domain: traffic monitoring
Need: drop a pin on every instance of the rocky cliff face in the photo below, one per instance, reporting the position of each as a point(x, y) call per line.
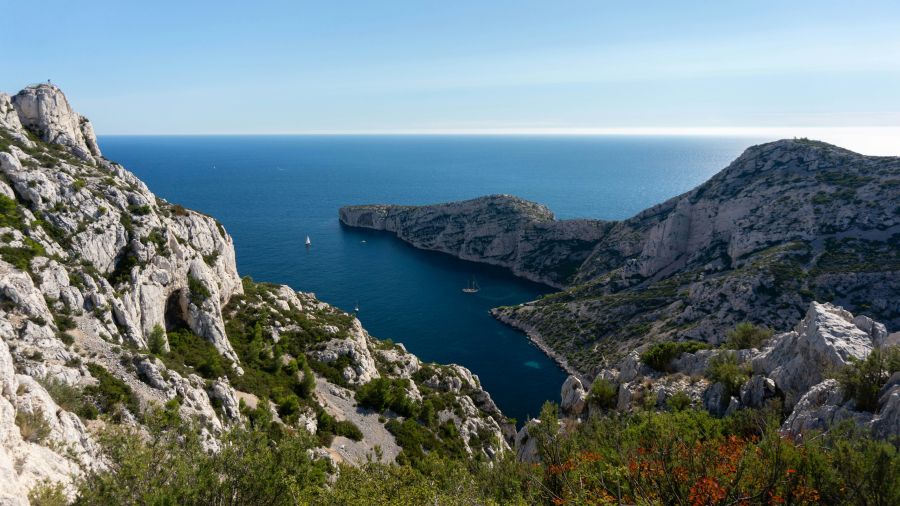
point(786, 223)
point(500, 230)
point(114, 302)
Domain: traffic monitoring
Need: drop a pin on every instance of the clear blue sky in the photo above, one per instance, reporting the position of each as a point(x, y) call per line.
point(333, 66)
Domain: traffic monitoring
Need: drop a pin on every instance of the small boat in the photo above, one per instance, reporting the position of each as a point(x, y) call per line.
point(308, 242)
point(363, 241)
point(356, 308)
point(472, 287)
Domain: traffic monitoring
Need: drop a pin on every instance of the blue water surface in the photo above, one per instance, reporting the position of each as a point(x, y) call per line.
point(270, 192)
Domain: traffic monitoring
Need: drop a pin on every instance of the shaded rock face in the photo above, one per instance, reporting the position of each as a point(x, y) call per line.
point(500, 230)
point(785, 223)
point(44, 110)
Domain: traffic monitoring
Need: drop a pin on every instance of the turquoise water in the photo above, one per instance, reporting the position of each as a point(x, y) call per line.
point(270, 192)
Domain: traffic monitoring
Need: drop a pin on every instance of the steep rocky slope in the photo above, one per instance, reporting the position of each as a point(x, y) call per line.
point(114, 302)
point(793, 370)
point(786, 223)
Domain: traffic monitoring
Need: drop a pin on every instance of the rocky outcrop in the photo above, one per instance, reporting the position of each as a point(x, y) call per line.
point(44, 109)
point(499, 230)
point(573, 397)
point(824, 341)
point(792, 369)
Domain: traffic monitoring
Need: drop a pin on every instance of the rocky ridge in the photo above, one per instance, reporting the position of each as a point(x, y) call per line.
point(786, 223)
point(114, 302)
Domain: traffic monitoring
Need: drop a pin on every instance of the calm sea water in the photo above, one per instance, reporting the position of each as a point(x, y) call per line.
point(270, 192)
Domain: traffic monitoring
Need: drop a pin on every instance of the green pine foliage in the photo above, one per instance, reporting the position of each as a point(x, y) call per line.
point(661, 355)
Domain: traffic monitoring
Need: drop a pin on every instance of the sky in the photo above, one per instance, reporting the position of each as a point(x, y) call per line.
point(422, 66)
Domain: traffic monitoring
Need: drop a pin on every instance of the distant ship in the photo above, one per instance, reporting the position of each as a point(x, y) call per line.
point(308, 242)
point(472, 287)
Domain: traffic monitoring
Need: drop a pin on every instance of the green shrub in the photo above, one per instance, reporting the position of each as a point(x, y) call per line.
point(603, 394)
point(661, 355)
point(861, 380)
point(169, 465)
point(47, 493)
point(156, 341)
point(187, 348)
point(110, 392)
point(746, 335)
point(32, 426)
point(11, 214)
point(69, 398)
point(679, 401)
point(21, 256)
point(387, 393)
point(724, 368)
point(64, 322)
point(199, 291)
point(139, 210)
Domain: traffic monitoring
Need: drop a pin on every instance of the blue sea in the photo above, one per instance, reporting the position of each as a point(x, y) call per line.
point(270, 192)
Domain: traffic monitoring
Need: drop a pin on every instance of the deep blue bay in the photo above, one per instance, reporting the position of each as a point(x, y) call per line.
point(270, 192)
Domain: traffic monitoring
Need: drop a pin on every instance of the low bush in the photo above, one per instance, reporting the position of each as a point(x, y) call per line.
point(69, 398)
point(387, 393)
point(661, 355)
point(603, 394)
point(746, 335)
point(724, 368)
point(199, 291)
point(32, 425)
point(679, 401)
point(110, 393)
point(191, 350)
point(861, 380)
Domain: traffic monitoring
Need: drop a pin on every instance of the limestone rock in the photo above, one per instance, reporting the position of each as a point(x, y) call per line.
point(45, 110)
point(824, 340)
point(573, 396)
point(362, 365)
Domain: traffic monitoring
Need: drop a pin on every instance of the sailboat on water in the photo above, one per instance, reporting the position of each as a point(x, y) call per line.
point(308, 242)
point(472, 287)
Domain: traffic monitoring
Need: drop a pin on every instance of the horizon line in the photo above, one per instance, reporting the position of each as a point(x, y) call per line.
point(563, 131)
point(872, 140)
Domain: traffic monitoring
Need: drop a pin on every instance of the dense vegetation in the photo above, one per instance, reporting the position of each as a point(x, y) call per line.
point(684, 457)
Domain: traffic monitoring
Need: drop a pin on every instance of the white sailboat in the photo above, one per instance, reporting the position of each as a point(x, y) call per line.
point(308, 242)
point(472, 287)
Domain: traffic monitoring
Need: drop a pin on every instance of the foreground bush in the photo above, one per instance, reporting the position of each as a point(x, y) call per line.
point(170, 466)
point(686, 457)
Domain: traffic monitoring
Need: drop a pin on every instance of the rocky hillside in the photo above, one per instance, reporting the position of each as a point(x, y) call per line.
point(786, 223)
point(802, 372)
point(115, 303)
